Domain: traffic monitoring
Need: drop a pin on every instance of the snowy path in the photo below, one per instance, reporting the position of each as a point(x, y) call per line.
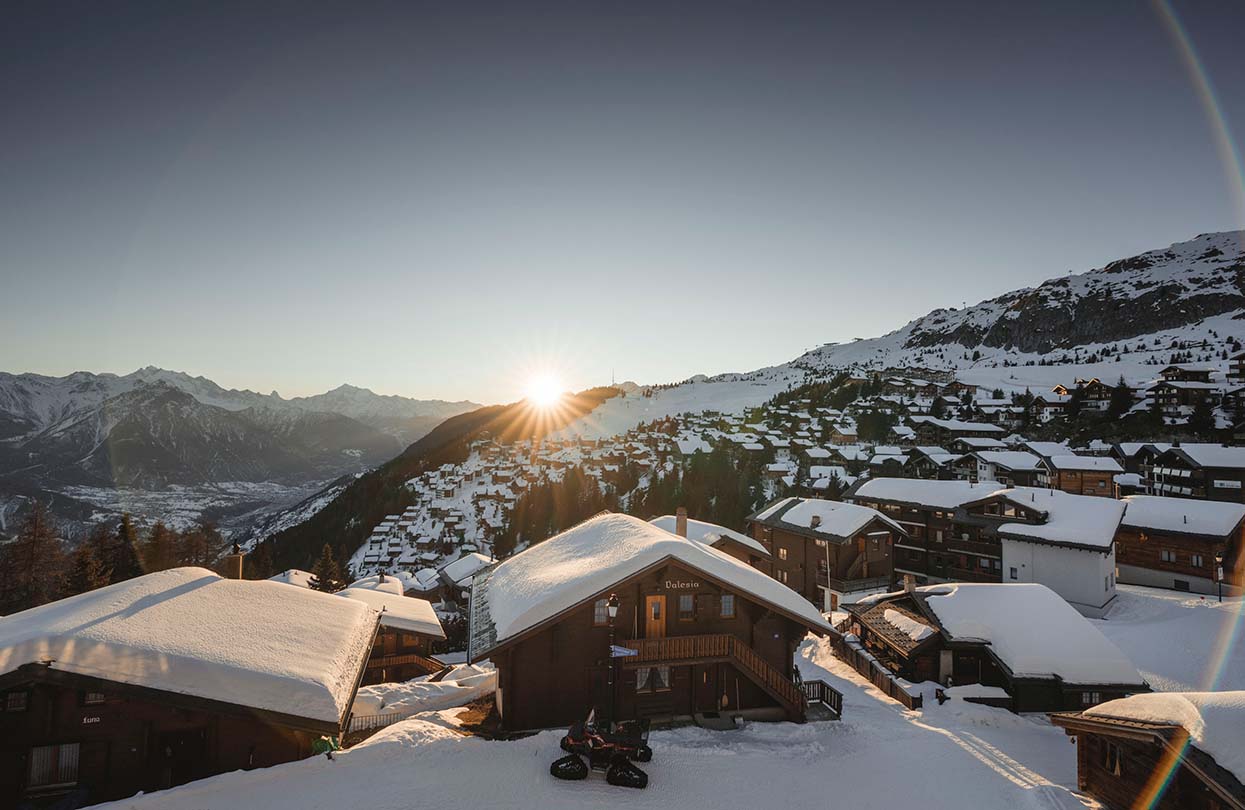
point(879, 756)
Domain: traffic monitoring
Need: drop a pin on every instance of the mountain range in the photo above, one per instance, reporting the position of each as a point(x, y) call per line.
point(89, 437)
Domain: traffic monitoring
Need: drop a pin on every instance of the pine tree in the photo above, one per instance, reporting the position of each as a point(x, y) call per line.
point(86, 569)
point(32, 566)
point(1121, 400)
point(200, 546)
point(259, 563)
point(160, 549)
point(1202, 419)
point(120, 555)
point(325, 575)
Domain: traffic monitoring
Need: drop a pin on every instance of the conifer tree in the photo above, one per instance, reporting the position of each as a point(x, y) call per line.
point(259, 563)
point(1121, 400)
point(86, 570)
point(120, 555)
point(32, 565)
point(160, 551)
point(325, 575)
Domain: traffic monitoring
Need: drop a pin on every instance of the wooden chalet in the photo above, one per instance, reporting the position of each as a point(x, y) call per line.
point(1211, 472)
point(934, 431)
point(409, 631)
point(700, 631)
point(827, 551)
point(1182, 544)
point(1022, 639)
point(1009, 467)
point(1186, 372)
point(1161, 751)
point(1081, 475)
point(171, 677)
point(1236, 368)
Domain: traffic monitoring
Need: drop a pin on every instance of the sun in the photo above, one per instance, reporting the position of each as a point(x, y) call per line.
point(543, 390)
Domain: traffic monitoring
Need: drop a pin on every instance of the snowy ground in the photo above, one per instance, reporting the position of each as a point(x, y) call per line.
point(1179, 641)
point(461, 686)
point(878, 756)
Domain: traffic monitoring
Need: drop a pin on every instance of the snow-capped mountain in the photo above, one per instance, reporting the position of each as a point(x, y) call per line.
point(85, 438)
point(1186, 289)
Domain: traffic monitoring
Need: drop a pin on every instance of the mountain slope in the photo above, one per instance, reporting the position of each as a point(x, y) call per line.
point(1171, 291)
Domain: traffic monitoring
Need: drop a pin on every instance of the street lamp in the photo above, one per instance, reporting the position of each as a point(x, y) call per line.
point(1219, 572)
point(611, 609)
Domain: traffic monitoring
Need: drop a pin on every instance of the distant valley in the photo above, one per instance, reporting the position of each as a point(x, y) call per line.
point(164, 444)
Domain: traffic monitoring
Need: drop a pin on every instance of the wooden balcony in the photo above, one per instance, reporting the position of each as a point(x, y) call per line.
point(725, 648)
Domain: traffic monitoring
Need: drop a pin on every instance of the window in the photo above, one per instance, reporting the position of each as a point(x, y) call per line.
point(982, 562)
point(600, 613)
point(1106, 583)
point(16, 701)
point(1195, 560)
point(1112, 759)
point(1013, 573)
point(53, 765)
point(96, 698)
point(687, 607)
point(652, 679)
point(1167, 555)
point(781, 576)
point(938, 536)
point(1091, 698)
point(782, 553)
point(727, 606)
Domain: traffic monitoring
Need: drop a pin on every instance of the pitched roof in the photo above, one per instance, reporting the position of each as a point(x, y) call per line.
point(1077, 520)
point(835, 518)
point(926, 492)
point(187, 630)
point(398, 611)
point(1032, 630)
point(1183, 515)
point(709, 533)
point(537, 584)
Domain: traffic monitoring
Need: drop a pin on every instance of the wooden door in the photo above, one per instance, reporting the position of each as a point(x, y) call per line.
point(655, 617)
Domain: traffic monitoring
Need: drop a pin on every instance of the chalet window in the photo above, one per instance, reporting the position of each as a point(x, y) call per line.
point(1106, 583)
point(652, 679)
point(1013, 573)
point(600, 613)
point(982, 562)
point(1113, 759)
point(92, 698)
point(1196, 560)
point(938, 536)
point(781, 576)
point(1091, 698)
point(1167, 555)
point(726, 607)
point(16, 701)
point(687, 607)
point(782, 553)
point(52, 765)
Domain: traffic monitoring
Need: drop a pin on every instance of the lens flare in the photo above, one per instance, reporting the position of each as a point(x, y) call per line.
point(543, 390)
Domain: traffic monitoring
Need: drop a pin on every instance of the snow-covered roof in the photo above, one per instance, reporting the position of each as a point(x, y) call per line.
point(1213, 455)
point(836, 518)
point(980, 443)
point(927, 492)
point(466, 566)
point(1083, 520)
point(294, 576)
point(1215, 721)
point(540, 582)
point(954, 425)
point(1087, 463)
point(1011, 459)
point(398, 611)
point(1032, 630)
point(391, 583)
point(709, 533)
point(189, 631)
point(1048, 449)
point(1184, 515)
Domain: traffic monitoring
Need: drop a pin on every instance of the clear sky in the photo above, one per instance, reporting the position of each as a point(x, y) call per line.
point(437, 199)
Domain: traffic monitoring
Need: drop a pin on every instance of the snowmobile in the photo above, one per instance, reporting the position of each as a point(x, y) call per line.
point(607, 746)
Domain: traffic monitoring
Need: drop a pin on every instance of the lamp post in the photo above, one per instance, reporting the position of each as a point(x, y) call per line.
point(1219, 573)
point(611, 608)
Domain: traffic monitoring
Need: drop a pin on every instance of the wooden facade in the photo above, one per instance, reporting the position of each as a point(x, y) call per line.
point(1179, 560)
point(1175, 473)
point(1100, 483)
point(820, 566)
point(399, 655)
point(939, 657)
point(701, 648)
point(63, 734)
point(1119, 763)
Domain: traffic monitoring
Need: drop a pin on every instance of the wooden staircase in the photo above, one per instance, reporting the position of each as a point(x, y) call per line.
point(722, 647)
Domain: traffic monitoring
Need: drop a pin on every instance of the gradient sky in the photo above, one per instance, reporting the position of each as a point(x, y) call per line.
point(434, 199)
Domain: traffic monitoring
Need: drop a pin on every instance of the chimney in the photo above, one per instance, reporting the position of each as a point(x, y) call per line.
point(909, 583)
point(381, 577)
point(814, 522)
point(680, 521)
point(233, 562)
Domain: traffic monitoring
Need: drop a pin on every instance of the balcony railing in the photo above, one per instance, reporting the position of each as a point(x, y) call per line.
point(852, 585)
